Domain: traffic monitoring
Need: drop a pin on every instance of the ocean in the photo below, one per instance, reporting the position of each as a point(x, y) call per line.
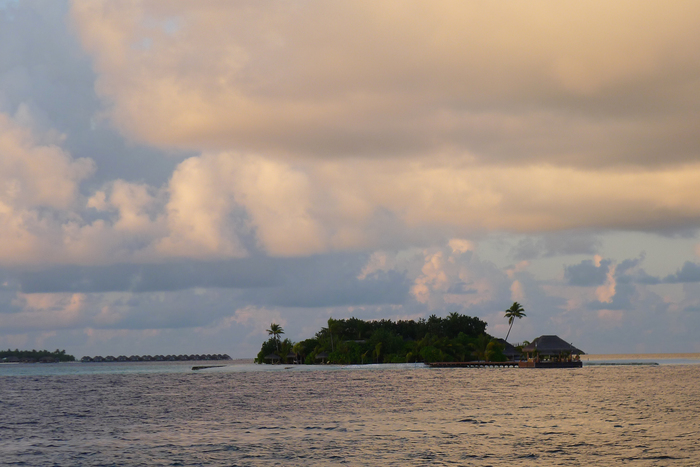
point(165, 414)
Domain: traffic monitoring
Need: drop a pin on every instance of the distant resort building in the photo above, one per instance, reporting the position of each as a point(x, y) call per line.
point(273, 358)
point(510, 351)
point(551, 351)
point(323, 356)
point(156, 358)
point(547, 351)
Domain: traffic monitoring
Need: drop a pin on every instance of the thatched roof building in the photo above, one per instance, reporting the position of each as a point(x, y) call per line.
point(509, 351)
point(323, 356)
point(292, 357)
point(274, 358)
point(551, 345)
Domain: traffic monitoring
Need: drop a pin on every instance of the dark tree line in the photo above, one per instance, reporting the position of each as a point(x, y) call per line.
point(37, 355)
point(355, 341)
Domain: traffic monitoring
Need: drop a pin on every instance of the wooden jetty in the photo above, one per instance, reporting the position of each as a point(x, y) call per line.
point(473, 364)
point(204, 367)
point(552, 364)
point(521, 364)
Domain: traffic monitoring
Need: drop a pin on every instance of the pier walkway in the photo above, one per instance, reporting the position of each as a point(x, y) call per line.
point(473, 364)
point(521, 364)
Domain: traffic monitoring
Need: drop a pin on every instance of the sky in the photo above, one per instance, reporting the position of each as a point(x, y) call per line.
point(175, 176)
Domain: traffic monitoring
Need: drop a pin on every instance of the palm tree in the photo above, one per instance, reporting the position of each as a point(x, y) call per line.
point(516, 310)
point(275, 331)
point(480, 346)
point(378, 350)
point(333, 327)
point(298, 349)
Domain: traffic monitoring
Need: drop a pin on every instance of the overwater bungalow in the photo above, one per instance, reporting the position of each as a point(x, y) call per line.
point(273, 358)
point(98, 358)
point(323, 356)
point(551, 351)
point(86, 359)
point(109, 358)
point(122, 358)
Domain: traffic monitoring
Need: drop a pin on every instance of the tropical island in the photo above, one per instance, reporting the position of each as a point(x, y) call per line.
point(32, 356)
point(455, 338)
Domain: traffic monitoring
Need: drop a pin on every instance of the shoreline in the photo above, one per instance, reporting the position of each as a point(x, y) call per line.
point(642, 356)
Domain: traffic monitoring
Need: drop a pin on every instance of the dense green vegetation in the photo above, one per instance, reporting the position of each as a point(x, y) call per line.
point(354, 341)
point(36, 355)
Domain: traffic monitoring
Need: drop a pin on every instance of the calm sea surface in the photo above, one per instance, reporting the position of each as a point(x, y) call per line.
point(166, 414)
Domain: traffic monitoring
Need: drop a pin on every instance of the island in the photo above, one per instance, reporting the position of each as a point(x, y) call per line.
point(33, 356)
point(454, 341)
point(455, 338)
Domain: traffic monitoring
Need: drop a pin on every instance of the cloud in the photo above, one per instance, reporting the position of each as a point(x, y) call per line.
point(312, 207)
point(690, 272)
point(608, 290)
point(300, 156)
point(46, 78)
point(516, 291)
point(169, 171)
point(34, 173)
point(587, 273)
point(547, 136)
point(460, 288)
point(169, 276)
point(330, 280)
point(556, 244)
point(273, 78)
point(38, 186)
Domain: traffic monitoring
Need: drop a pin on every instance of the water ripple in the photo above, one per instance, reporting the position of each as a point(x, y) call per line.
point(597, 415)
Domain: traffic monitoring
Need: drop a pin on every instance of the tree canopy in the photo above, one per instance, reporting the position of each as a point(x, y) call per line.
point(355, 341)
point(36, 355)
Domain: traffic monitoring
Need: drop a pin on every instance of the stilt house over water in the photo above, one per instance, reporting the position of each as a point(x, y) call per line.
point(551, 351)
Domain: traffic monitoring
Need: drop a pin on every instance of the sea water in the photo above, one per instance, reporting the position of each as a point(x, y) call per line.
point(166, 414)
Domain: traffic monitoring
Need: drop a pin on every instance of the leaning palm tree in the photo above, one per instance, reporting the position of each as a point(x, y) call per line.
point(516, 310)
point(275, 331)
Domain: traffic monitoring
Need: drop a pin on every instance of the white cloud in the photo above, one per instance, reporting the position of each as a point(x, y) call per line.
point(606, 292)
point(37, 183)
point(460, 245)
point(326, 144)
point(510, 81)
point(437, 124)
point(45, 311)
point(517, 293)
